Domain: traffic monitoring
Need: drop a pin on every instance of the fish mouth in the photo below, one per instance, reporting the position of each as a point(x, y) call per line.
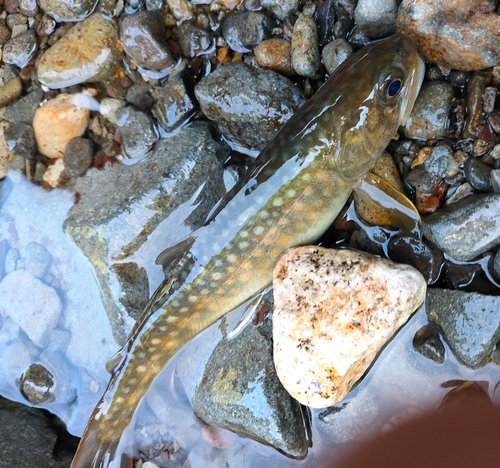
point(414, 89)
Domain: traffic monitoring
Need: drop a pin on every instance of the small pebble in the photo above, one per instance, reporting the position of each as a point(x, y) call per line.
point(194, 40)
point(376, 18)
point(334, 53)
point(428, 343)
point(489, 98)
point(243, 31)
point(54, 173)
point(281, 8)
point(478, 174)
point(19, 50)
point(37, 384)
point(275, 53)
point(78, 156)
point(28, 7)
point(10, 91)
point(181, 9)
point(306, 59)
point(441, 162)
point(495, 179)
point(4, 32)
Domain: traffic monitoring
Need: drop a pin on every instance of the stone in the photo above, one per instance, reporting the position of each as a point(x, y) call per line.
point(470, 323)
point(428, 343)
point(243, 31)
point(306, 59)
point(36, 384)
point(281, 8)
point(31, 304)
point(20, 137)
point(334, 53)
point(24, 109)
point(441, 162)
point(78, 156)
point(478, 174)
point(56, 122)
point(376, 18)
point(36, 259)
point(10, 91)
point(466, 228)
point(68, 10)
point(87, 52)
point(181, 9)
point(195, 40)
point(54, 173)
point(334, 311)
point(275, 54)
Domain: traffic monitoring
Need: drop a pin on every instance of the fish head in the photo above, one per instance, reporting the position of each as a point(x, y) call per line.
point(381, 83)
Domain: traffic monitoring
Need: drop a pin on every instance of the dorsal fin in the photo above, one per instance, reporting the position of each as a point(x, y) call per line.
point(172, 255)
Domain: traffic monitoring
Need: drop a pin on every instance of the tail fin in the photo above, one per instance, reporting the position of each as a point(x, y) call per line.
point(95, 453)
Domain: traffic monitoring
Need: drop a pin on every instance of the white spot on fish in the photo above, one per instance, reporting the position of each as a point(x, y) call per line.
point(278, 202)
point(258, 230)
point(243, 245)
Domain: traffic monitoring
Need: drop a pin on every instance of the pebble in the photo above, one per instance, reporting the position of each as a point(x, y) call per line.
point(175, 102)
point(243, 31)
point(4, 32)
point(441, 162)
point(478, 174)
point(428, 343)
point(281, 8)
point(56, 122)
point(143, 38)
point(460, 34)
point(181, 9)
point(138, 132)
point(334, 311)
point(108, 108)
point(461, 191)
point(46, 26)
point(430, 190)
point(31, 304)
point(20, 49)
point(54, 173)
point(489, 97)
point(36, 259)
point(194, 40)
point(87, 52)
point(24, 109)
point(249, 105)
point(68, 10)
point(306, 59)
point(275, 54)
point(449, 227)
point(376, 18)
point(6, 154)
point(333, 20)
point(28, 8)
point(36, 384)
point(20, 138)
point(10, 91)
point(334, 53)
point(429, 116)
point(78, 156)
point(469, 323)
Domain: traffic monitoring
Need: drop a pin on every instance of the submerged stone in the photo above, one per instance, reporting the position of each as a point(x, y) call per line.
point(334, 311)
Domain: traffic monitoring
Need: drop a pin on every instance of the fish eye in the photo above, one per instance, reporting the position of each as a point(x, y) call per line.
point(391, 86)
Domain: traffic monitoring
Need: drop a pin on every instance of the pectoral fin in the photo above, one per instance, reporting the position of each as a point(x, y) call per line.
point(379, 203)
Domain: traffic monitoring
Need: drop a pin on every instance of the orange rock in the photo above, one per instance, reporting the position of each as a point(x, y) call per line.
point(275, 53)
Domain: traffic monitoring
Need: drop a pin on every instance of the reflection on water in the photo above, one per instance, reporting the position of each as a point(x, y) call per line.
point(55, 338)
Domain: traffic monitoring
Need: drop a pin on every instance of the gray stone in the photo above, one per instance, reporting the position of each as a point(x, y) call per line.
point(470, 323)
point(478, 174)
point(281, 8)
point(25, 108)
point(441, 162)
point(19, 50)
point(240, 391)
point(376, 18)
point(36, 259)
point(194, 40)
point(429, 116)
point(68, 10)
point(428, 343)
point(20, 138)
point(334, 53)
point(78, 156)
point(467, 228)
point(306, 59)
point(249, 105)
point(243, 31)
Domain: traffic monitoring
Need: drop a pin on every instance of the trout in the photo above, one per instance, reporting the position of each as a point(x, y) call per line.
point(289, 196)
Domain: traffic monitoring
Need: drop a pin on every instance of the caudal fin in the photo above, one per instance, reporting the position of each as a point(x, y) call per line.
point(95, 453)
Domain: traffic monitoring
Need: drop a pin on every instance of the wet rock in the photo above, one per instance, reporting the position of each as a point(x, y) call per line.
point(496, 264)
point(459, 276)
point(139, 95)
point(376, 19)
point(181, 9)
point(469, 322)
point(78, 156)
point(4, 32)
point(20, 138)
point(138, 132)
point(306, 59)
point(175, 102)
point(65, 10)
point(441, 162)
point(145, 207)
point(428, 343)
point(31, 304)
point(46, 26)
point(243, 31)
point(478, 174)
point(87, 52)
point(25, 108)
point(430, 114)
point(245, 396)
point(334, 311)
point(56, 122)
point(467, 228)
point(18, 352)
point(489, 97)
point(36, 259)
point(265, 101)
point(108, 108)
point(194, 40)
point(425, 257)
point(334, 53)
point(143, 37)
point(36, 384)
point(430, 190)
point(281, 8)
point(19, 50)
point(275, 53)
point(28, 8)
point(457, 34)
point(10, 91)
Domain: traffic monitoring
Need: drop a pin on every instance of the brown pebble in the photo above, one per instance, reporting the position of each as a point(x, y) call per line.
point(427, 203)
point(78, 156)
point(275, 53)
point(11, 6)
point(10, 91)
point(4, 32)
point(224, 55)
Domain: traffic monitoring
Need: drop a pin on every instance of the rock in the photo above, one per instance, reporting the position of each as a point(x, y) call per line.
point(467, 228)
point(281, 8)
point(78, 156)
point(56, 122)
point(306, 59)
point(143, 37)
point(334, 311)
point(430, 113)
point(66, 10)
point(469, 322)
point(181, 9)
point(496, 265)
point(240, 391)
point(19, 50)
point(31, 304)
point(139, 95)
point(195, 40)
point(478, 174)
point(441, 162)
point(5, 32)
point(266, 100)
point(10, 91)
point(36, 259)
point(46, 26)
point(108, 108)
point(20, 138)
point(275, 54)
point(428, 343)
point(376, 18)
point(334, 53)
point(457, 34)
point(243, 31)
point(87, 52)
point(55, 173)
point(143, 208)
point(138, 132)
point(24, 109)
point(430, 190)
point(6, 154)
point(28, 8)
point(36, 384)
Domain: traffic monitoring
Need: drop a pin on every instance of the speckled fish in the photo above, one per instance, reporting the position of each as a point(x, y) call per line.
point(289, 196)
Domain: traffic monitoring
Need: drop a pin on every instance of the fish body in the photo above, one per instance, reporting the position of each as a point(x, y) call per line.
point(289, 196)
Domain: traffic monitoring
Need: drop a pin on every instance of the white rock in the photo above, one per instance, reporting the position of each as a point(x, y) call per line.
point(334, 311)
point(54, 173)
point(31, 304)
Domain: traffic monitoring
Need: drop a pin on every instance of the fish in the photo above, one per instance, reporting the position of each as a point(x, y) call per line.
point(289, 196)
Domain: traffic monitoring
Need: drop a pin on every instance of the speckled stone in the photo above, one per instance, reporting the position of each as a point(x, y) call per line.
point(281, 8)
point(275, 53)
point(20, 49)
point(376, 18)
point(334, 53)
point(10, 91)
point(306, 59)
point(244, 31)
point(334, 311)
point(68, 10)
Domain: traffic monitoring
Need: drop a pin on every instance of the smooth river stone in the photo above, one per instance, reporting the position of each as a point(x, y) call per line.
point(333, 312)
point(87, 52)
